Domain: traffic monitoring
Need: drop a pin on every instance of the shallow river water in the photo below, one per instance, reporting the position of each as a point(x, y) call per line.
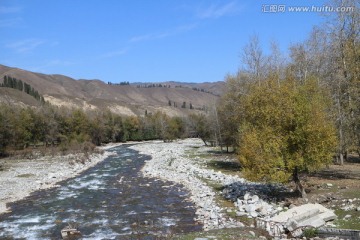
point(110, 201)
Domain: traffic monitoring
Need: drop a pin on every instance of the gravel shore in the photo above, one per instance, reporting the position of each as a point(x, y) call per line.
point(171, 162)
point(20, 177)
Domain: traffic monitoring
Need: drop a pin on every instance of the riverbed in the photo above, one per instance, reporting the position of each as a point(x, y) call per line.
point(112, 200)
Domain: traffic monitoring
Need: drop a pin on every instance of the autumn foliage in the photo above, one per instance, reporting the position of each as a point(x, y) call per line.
point(285, 128)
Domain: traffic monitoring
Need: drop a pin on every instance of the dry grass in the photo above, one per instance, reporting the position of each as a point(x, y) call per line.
point(94, 94)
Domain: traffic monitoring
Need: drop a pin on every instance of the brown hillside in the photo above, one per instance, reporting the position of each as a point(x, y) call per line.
point(14, 97)
point(123, 99)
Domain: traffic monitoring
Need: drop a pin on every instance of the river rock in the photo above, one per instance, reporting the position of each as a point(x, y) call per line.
point(246, 197)
point(250, 208)
point(213, 215)
point(241, 214)
point(254, 214)
point(254, 199)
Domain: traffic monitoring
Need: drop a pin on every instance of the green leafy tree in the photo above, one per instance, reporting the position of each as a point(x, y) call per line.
point(22, 126)
point(6, 119)
point(97, 130)
point(230, 108)
point(161, 124)
point(175, 128)
point(149, 132)
point(199, 124)
point(132, 129)
point(285, 131)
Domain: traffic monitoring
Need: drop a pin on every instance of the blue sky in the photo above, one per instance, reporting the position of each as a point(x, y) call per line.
point(143, 40)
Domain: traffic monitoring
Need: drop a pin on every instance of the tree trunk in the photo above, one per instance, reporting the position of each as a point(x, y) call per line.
point(299, 186)
point(341, 158)
point(341, 134)
point(204, 141)
point(346, 156)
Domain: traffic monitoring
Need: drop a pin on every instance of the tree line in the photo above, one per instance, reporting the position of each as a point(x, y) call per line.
point(153, 85)
point(203, 90)
point(11, 82)
point(57, 126)
point(159, 85)
point(125, 83)
point(183, 105)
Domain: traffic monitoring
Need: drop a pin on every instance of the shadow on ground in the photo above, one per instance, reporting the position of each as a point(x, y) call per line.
point(350, 170)
point(332, 174)
point(228, 166)
point(268, 192)
point(353, 159)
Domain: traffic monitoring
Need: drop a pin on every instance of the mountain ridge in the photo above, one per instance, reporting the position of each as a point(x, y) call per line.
point(131, 99)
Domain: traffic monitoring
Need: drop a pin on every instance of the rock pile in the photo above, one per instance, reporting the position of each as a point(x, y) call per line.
point(253, 206)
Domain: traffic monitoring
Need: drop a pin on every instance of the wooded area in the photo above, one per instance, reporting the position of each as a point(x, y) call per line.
point(50, 125)
point(291, 114)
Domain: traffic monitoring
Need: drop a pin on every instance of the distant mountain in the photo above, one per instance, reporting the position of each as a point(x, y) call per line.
point(125, 99)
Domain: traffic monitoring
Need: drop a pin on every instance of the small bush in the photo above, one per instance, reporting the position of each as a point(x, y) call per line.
point(87, 147)
point(310, 232)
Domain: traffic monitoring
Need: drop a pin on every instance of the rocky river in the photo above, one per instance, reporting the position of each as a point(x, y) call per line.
point(112, 200)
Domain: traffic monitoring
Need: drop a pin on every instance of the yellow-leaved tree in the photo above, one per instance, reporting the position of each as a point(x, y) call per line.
point(285, 130)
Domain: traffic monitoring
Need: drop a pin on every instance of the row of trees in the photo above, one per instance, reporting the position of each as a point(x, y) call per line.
point(291, 114)
point(120, 83)
point(49, 125)
point(183, 105)
point(153, 85)
point(11, 82)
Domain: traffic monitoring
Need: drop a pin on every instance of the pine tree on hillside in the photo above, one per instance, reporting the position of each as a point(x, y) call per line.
point(183, 105)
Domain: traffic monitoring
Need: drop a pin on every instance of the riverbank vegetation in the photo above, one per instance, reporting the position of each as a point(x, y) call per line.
point(50, 126)
point(282, 114)
point(287, 115)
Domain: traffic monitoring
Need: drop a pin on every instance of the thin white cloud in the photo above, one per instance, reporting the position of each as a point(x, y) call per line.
point(114, 53)
point(26, 45)
point(141, 38)
point(57, 62)
point(51, 63)
point(7, 10)
point(169, 33)
point(10, 22)
point(217, 11)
